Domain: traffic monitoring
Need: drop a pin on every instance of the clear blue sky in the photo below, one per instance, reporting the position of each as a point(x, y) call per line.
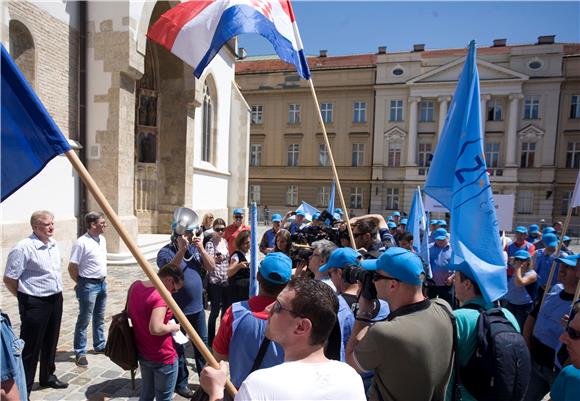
point(350, 27)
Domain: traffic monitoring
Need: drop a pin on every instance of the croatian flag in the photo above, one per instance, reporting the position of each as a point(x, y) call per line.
point(196, 30)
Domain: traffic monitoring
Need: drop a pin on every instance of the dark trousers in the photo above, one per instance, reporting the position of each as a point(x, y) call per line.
point(197, 321)
point(219, 301)
point(40, 326)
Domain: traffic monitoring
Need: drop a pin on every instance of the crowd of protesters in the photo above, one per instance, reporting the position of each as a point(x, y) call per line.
point(330, 320)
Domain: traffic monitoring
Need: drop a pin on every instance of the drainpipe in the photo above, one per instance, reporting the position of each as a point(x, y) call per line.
point(82, 109)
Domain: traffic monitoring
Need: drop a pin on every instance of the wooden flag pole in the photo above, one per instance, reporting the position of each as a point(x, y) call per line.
point(333, 165)
point(151, 274)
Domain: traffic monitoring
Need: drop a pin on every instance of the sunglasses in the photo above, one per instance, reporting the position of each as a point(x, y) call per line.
point(238, 217)
point(277, 307)
point(379, 277)
point(573, 333)
point(219, 229)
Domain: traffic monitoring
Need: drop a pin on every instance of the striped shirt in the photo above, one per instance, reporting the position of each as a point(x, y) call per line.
point(36, 266)
point(220, 274)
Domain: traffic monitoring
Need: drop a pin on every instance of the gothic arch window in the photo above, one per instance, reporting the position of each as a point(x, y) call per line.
point(208, 125)
point(22, 49)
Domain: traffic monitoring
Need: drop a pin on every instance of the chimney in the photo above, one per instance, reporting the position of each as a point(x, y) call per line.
point(499, 42)
point(242, 54)
point(419, 47)
point(382, 50)
point(546, 39)
point(323, 53)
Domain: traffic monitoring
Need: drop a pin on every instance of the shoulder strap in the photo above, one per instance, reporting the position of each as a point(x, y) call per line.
point(261, 354)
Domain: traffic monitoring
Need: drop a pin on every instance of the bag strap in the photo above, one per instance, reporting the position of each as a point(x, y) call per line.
point(456, 392)
point(261, 354)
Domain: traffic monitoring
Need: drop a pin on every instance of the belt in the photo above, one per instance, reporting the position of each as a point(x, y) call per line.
point(94, 280)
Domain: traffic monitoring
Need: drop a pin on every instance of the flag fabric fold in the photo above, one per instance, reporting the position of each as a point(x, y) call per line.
point(30, 137)
point(458, 180)
point(308, 210)
point(253, 249)
point(196, 30)
point(417, 222)
point(576, 195)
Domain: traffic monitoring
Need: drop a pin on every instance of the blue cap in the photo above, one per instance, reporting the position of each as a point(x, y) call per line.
point(339, 211)
point(276, 268)
point(315, 216)
point(565, 238)
point(404, 222)
point(400, 264)
point(390, 218)
point(396, 214)
point(276, 217)
point(433, 222)
point(550, 240)
point(521, 230)
point(341, 258)
point(522, 254)
point(442, 223)
point(390, 224)
point(300, 213)
point(440, 234)
point(464, 268)
point(548, 230)
point(571, 260)
point(238, 210)
point(534, 228)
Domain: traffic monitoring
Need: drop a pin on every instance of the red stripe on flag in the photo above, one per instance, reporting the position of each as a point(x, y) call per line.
point(168, 26)
point(287, 7)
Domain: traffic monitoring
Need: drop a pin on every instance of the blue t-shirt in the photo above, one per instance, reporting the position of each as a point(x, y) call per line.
point(518, 295)
point(543, 264)
point(189, 298)
point(439, 258)
point(566, 386)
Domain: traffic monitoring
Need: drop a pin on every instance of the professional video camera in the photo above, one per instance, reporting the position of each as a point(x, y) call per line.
point(352, 274)
point(300, 252)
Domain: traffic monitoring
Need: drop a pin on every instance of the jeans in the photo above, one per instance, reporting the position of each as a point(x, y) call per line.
point(197, 320)
point(92, 296)
point(219, 300)
point(520, 312)
point(157, 380)
point(11, 357)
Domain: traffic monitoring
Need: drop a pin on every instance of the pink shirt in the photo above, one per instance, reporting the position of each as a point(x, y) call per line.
point(142, 301)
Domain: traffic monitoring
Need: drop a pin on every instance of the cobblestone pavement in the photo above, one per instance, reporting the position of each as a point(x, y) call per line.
point(102, 379)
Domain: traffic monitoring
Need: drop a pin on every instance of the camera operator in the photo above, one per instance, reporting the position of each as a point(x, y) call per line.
point(320, 255)
point(402, 348)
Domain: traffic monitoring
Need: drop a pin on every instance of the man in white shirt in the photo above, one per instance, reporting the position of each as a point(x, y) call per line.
point(301, 320)
point(88, 268)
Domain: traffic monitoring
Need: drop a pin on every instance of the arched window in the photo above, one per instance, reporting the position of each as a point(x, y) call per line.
point(22, 49)
point(207, 121)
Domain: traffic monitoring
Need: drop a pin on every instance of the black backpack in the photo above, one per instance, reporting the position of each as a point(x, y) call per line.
point(500, 367)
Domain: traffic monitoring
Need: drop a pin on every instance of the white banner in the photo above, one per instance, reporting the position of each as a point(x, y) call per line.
point(504, 209)
point(576, 195)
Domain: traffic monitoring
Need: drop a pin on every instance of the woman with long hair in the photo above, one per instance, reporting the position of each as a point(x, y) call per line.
point(283, 242)
point(239, 269)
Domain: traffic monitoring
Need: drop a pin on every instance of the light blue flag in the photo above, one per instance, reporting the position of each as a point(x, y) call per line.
point(417, 221)
point(331, 199)
point(254, 250)
point(308, 210)
point(458, 180)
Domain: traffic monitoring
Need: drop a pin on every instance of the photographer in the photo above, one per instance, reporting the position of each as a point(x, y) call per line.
point(299, 221)
point(401, 349)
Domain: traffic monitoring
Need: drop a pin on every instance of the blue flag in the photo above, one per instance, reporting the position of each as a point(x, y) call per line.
point(331, 199)
point(417, 221)
point(253, 249)
point(30, 137)
point(308, 210)
point(458, 180)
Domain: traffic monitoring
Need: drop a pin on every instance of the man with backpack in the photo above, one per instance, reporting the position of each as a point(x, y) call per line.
point(506, 356)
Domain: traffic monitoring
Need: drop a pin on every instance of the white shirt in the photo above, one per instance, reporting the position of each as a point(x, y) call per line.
point(36, 266)
point(330, 380)
point(90, 255)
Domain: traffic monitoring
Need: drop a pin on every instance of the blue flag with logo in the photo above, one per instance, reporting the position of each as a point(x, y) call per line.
point(30, 138)
point(417, 222)
point(253, 249)
point(458, 180)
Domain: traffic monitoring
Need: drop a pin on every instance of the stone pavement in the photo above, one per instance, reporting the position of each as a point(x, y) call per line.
point(102, 379)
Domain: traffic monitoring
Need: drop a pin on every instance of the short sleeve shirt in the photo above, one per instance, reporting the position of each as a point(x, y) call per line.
point(90, 254)
point(566, 386)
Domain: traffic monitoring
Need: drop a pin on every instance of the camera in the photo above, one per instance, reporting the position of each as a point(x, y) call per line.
point(353, 274)
point(300, 252)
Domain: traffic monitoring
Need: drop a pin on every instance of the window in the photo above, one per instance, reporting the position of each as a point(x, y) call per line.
point(398, 71)
point(358, 152)
point(292, 195)
point(257, 114)
point(391, 198)
point(426, 111)
point(394, 154)
point(22, 49)
point(525, 202)
point(575, 107)
point(492, 154)
point(494, 110)
point(356, 198)
point(293, 114)
point(256, 154)
point(566, 203)
point(207, 125)
point(396, 110)
point(255, 193)
point(323, 196)
point(528, 154)
point(573, 155)
point(293, 154)
point(532, 107)
point(425, 154)
point(326, 110)
point(323, 159)
point(359, 112)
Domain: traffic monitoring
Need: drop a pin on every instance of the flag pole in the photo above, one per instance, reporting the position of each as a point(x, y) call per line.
point(151, 274)
point(556, 255)
point(334, 171)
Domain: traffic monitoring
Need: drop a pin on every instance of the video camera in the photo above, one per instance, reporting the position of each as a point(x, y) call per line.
point(353, 274)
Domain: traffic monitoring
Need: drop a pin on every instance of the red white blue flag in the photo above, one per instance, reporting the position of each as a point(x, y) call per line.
point(196, 30)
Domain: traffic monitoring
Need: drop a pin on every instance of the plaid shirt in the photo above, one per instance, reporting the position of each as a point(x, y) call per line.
point(220, 274)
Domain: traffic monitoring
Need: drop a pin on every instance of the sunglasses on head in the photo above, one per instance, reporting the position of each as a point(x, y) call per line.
point(573, 333)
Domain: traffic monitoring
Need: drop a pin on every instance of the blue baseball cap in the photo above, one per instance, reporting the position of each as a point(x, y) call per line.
point(300, 213)
point(433, 222)
point(404, 222)
point(565, 238)
point(522, 254)
point(340, 258)
point(397, 214)
point(339, 211)
point(464, 268)
point(276, 268)
point(442, 223)
point(390, 224)
point(390, 218)
point(534, 228)
point(439, 234)
point(521, 230)
point(315, 216)
point(571, 260)
point(276, 217)
point(550, 240)
point(238, 210)
point(548, 230)
point(399, 263)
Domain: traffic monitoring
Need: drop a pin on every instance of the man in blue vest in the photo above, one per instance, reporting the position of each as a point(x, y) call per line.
point(242, 330)
point(268, 242)
point(543, 328)
point(534, 233)
point(543, 260)
point(439, 257)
